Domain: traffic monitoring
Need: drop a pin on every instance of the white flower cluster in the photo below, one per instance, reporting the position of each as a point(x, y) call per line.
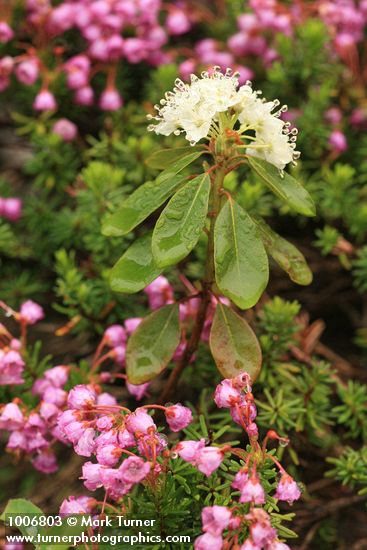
point(196, 109)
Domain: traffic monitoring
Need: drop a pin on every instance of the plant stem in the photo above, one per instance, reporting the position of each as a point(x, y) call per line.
point(207, 283)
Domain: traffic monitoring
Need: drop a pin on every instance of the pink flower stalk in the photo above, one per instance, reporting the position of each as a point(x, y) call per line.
point(253, 491)
point(65, 129)
point(115, 335)
point(30, 312)
point(287, 489)
point(151, 445)
point(178, 417)
point(134, 470)
point(45, 101)
point(215, 519)
point(208, 541)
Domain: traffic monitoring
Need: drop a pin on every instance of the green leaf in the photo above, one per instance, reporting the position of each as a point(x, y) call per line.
point(22, 506)
point(284, 186)
point(153, 344)
point(138, 206)
point(177, 166)
point(241, 263)
point(136, 268)
point(164, 158)
point(178, 228)
point(233, 344)
point(285, 254)
point(65, 530)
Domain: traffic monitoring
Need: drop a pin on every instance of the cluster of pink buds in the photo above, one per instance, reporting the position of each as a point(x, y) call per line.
point(129, 450)
point(255, 39)
point(267, 18)
point(112, 31)
point(346, 21)
point(223, 526)
point(11, 208)
point(33, 433)
point(11, 348)
point(96, 425)
point(229, 394)
point(217, 519)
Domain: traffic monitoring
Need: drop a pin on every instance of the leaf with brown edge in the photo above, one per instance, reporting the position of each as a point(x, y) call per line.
point(233, 344)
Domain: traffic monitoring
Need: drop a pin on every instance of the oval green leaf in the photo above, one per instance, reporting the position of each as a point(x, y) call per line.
point(284, 186)
point(166, 157)
point(178, 228)
point(233, 344)
point(138, 206)
point(177, 166)
point(153, 344)
point(241, 263)
point(136, 268)
point(285, 254)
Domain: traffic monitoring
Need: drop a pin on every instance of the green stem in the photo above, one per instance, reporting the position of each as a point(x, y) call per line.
point(207, 283)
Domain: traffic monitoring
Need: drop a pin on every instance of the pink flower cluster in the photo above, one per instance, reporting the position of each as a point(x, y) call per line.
point(10, 208)
point(346, 21)
point(96, 425)
point(255, 39)
point(33, 433)
point(11, 361)
point(229, 394)
point(216, 519)
point(129, 450)
point(112, 31)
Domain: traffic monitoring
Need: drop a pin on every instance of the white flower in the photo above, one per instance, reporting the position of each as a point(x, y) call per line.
point(196, 108)
point(191, 108)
